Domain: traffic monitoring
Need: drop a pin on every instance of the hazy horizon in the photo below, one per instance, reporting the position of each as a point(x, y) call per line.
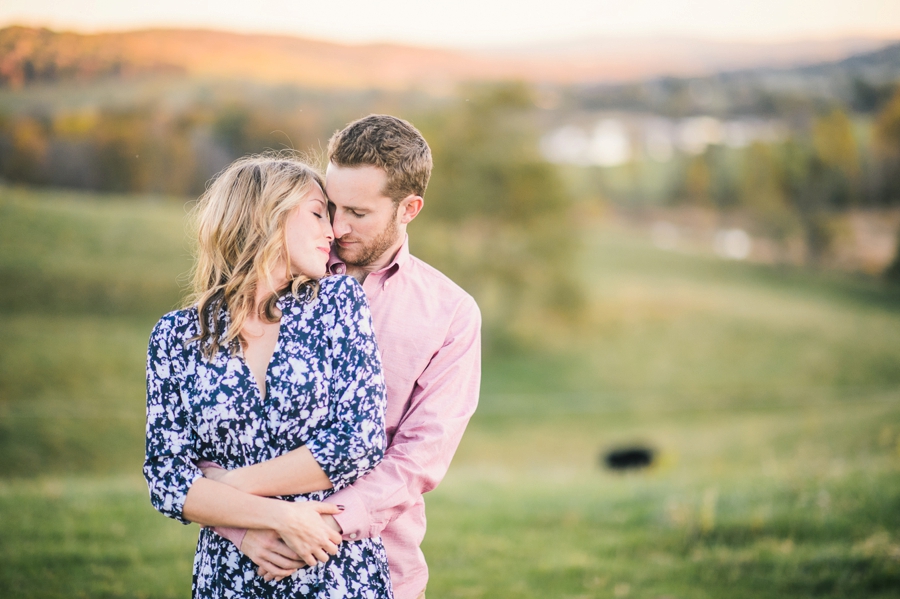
point(473, 24)
point(666, 36)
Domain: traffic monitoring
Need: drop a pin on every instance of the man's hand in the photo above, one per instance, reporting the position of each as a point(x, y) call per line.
point(268, 551)
point(213, 471)
point(332, 523)
point(275, 559)
point(300, 526)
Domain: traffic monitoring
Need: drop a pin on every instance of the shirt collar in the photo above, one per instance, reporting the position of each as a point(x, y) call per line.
point(337, 267)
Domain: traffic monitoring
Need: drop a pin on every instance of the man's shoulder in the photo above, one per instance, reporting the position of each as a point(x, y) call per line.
point(433, 277)
point(439, 288)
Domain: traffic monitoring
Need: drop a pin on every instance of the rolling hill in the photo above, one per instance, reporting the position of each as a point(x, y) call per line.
point(30, 55)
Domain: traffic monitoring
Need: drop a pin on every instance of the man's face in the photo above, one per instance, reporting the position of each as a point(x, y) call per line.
point(364, 220)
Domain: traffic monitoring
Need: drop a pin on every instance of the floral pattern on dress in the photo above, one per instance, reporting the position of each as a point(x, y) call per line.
point(324, 389)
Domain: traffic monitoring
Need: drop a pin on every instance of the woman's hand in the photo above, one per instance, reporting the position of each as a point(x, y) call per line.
point(301, 527)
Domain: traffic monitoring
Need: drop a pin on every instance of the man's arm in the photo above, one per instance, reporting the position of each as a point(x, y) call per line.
point(443, 401)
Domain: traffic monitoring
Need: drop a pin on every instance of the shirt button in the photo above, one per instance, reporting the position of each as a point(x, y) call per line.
point(353, 535)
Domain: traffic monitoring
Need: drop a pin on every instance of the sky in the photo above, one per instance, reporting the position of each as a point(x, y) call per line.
point(477, 23)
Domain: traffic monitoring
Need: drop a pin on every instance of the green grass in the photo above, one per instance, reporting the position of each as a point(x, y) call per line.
point(772, 397)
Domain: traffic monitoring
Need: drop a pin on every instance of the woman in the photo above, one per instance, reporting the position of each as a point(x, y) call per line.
point(273, 375)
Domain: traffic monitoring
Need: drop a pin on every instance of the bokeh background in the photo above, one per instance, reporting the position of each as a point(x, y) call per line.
point(680, 221)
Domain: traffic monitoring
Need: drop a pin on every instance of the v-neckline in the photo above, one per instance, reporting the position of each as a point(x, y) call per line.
point(262, 389)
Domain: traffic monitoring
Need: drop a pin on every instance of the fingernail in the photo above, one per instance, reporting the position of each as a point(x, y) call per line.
point(340, 507)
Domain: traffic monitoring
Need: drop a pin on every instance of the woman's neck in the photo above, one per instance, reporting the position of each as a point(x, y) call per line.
point(263, 292)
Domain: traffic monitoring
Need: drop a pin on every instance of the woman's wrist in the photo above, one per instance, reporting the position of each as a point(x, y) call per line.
point(277, 514)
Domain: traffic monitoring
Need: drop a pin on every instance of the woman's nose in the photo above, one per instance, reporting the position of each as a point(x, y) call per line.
point(329, 232)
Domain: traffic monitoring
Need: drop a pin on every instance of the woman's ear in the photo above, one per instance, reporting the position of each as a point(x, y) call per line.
point(410, 206)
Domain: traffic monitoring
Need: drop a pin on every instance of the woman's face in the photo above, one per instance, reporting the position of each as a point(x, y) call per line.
point(308, 234)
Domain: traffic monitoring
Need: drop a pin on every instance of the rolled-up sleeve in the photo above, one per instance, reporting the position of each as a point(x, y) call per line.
point(354, 442)
point(169, 462)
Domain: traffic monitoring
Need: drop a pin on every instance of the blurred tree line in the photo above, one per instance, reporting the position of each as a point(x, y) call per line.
point(142, 149)
point(840, 152)
point(31, 55)
point(498, 219)
point(802, 183)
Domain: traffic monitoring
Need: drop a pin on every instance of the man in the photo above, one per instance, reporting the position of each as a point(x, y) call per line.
point(428, 330)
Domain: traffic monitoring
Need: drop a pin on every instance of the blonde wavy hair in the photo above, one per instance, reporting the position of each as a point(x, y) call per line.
point(240, 222)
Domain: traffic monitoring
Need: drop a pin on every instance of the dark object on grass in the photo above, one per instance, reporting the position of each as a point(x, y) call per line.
point(628, 458)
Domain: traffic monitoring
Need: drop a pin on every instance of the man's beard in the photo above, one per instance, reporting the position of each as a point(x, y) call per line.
point(367, 254)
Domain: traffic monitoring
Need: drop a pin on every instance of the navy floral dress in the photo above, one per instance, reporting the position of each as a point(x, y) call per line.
point(325, 390)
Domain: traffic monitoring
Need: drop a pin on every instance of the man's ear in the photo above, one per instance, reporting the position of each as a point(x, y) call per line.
point(410, 206)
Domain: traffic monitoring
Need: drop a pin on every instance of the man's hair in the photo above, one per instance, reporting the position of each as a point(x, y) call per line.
point(389, 143)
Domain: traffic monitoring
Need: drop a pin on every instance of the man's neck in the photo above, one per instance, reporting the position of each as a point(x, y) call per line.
point(361, 272)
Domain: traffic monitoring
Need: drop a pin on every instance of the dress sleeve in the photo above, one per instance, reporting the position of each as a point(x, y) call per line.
point(169, 462)
point(353, 443)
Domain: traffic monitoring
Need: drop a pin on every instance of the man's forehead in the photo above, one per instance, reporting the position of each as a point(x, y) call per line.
point(362, 185)
point(362, 173)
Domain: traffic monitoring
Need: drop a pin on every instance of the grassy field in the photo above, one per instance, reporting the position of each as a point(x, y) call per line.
point(771, 396)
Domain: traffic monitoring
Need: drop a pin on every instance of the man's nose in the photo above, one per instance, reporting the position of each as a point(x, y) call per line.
point(339, 225)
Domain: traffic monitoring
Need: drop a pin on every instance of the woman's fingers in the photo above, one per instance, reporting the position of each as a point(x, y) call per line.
point(325, 508)
point(310, 559)
point(320, 555)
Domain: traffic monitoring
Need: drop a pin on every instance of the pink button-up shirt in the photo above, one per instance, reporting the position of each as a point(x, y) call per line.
point(429, 333)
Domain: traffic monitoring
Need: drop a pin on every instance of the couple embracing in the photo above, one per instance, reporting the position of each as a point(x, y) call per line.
point(320, 380)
